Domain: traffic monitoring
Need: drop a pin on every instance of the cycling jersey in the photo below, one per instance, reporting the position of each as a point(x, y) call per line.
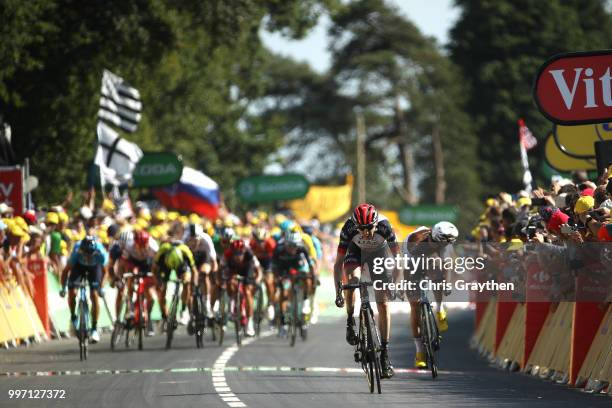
point(98, 257)
point(203, 249)
point(245, 267)
point(136, 253)
point(350, 234)
point(263, 250)
point(283, 260)
point(160, 260)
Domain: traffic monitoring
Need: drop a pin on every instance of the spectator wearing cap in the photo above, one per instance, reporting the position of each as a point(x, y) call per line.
point(6, 211)
point(54, 243)
point(30, 217)
point(582, 207)
point(554, 219)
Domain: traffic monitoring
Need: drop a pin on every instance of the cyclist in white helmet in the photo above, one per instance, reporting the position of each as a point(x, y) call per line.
point(430, 242)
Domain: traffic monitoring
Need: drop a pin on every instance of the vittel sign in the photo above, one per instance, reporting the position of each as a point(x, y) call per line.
point(576, 88)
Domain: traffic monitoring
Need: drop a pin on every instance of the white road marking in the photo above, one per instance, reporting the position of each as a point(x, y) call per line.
point(218, 373)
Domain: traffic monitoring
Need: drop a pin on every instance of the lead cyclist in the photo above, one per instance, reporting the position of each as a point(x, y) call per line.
point(373, 233)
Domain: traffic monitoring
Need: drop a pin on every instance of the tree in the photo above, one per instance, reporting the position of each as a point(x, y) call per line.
point(407, 92)
point(198, 66)
point(499, 45)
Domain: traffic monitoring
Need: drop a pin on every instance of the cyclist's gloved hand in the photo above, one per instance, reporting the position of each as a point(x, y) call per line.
point(339, 298)
point(62, 291)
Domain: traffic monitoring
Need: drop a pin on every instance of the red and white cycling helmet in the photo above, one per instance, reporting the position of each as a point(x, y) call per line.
point(365, 215)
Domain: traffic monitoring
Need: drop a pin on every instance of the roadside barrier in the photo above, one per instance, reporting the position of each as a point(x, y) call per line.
point(566, 342)
point(19, 321)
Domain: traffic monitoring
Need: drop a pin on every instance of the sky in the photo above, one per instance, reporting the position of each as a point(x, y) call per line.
point(432, 17)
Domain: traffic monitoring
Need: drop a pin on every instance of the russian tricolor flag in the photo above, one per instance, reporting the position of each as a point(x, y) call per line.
point(195, 192)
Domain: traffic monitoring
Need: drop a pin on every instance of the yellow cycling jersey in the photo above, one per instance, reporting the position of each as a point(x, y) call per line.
point(167, 246)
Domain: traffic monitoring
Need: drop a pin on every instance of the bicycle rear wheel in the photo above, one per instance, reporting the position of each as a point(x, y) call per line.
point(237, 315)
point(373, 344)
point(293, 327)
point(172, 323)
point(141, 323)
point(429, 335)
point(198, 311)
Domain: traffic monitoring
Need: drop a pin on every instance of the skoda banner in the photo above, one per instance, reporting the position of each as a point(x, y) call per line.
point(427, 214)
point(157, 170)
point(259, 189)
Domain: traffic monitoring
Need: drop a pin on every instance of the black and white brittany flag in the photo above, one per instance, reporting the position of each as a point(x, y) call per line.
point(116, 156)
point(120, 103)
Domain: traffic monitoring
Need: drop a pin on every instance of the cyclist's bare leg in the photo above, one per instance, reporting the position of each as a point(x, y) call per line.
point(72, 300)
point(353, 274)
point(120, 292)
point(384, 321)
point(186, 295)
point(415, 317)
point(161, 298)
point(270, 290)
point(439, 297)
point(249, 300)
point(95, 310)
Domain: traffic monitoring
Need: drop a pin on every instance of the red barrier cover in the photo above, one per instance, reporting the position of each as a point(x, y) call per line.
point(38, 267)
point(587, 317)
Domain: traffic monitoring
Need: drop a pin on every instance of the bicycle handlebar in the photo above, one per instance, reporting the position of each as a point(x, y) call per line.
point(132, 274)
point(357, 285)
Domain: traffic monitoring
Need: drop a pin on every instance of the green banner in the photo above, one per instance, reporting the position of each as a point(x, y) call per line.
point(428, 214)
point(272, 188)
point(157, 170)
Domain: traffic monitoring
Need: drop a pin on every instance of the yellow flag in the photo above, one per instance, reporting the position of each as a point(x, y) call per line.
point(327, 203)
point(401, 230)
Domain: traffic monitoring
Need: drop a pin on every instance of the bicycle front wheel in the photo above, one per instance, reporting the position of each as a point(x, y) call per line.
point(141, 323)
point(238, 317)
point(258, 313)
point(172, 323)
point(83, 335)
point(293, 328)
point(429, 335)
point(223, 312)
point(373, 352)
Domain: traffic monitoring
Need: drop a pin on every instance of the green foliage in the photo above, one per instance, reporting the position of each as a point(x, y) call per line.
point(198, 66)
point(499, 45)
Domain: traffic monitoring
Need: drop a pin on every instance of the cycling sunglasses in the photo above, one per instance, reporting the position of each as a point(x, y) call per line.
point(369, 227)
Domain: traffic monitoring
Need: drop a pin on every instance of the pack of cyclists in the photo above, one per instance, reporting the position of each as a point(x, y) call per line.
point(210, 257)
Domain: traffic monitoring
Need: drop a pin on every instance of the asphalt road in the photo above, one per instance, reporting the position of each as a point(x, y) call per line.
point(268, 373)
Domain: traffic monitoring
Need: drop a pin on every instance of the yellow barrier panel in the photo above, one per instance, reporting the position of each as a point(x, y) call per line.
point(513, 343)
point(6, 332)
point(484, 337)
point(551, 350)
point(598, 362)
point(19, 313)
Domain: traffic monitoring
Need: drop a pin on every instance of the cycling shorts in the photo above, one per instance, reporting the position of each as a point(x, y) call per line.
point(79, 271)
point(183, 273)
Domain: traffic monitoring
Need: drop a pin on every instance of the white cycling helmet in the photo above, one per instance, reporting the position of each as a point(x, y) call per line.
point(126, 238)
point(444, 231)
